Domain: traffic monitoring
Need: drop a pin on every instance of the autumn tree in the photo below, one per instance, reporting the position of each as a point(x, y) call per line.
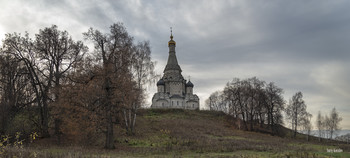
point(46, 60)
point(114, 50)
point(57, 52)
point(296, 110)
point(80, 104)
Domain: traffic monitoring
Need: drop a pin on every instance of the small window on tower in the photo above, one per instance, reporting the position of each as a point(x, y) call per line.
point(177, 102)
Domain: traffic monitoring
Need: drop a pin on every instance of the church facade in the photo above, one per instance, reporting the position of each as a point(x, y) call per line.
point(173, 91)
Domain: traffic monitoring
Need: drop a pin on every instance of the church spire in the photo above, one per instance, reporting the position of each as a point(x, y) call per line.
point(172, 60)
point(171, 38)
point(171, 33)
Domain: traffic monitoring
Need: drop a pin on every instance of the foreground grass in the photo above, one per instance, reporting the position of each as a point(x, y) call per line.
point(186, 133)
point(76, 152)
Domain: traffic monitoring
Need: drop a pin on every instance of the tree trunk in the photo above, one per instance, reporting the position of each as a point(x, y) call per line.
point(109, 117)
point(57, 121)
point(45, 118)
point(130, 122)
point(40, 98)
point(295, 128)
point(319, 135)
point(134, 121)
point(244, 122)
point(331, 134)
point(126, 121)
point(251, 121)
point(109, 133)
point(57, 130)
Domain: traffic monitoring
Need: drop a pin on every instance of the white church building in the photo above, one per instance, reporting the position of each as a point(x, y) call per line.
point(173, 90)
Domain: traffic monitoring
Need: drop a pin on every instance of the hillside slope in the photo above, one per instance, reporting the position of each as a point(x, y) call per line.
point(208, 132)
point(189, 133)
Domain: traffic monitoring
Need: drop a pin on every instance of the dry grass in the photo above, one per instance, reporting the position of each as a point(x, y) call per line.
point(187, 133)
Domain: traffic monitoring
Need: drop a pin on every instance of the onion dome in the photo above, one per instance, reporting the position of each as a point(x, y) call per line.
point(171, 39)
point(189, 84)
point(160, 82)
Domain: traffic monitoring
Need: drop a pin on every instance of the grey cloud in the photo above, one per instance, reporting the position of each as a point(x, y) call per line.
point(299, 45)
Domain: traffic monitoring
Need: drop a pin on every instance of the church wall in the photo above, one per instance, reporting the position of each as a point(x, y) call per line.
point(160, 103)
point(177, 103)
point(161, 88)
point(176, 88)
point(184, 86)
point(189, 90)
point(192, 105)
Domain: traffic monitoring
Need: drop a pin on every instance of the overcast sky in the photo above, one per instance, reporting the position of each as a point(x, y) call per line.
point(300, 45)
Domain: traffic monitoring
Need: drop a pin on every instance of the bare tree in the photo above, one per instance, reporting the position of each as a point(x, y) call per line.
point(14, 89)
point(320, 123)
point(216, 102)
point(252, 101)
point(229, 93)
point(142, 69)
point(255, 92)
point(57, 54)
point(296, 110)
point(332, 122)
point(114, 49)
point(244, 99)
point(43, 60)
point(22, 49)
point(274, 103)
point(236, 91)
point(306, 124)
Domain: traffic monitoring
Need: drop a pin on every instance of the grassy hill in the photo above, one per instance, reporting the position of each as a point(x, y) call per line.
point(188, 133)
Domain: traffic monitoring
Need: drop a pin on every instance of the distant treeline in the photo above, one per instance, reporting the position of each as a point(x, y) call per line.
point(261, 105)
point(57, 87)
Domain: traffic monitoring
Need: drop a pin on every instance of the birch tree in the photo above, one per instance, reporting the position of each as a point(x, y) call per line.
point(333, 122)
point(320, 123)
point(142, 68)
point(296, 110)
